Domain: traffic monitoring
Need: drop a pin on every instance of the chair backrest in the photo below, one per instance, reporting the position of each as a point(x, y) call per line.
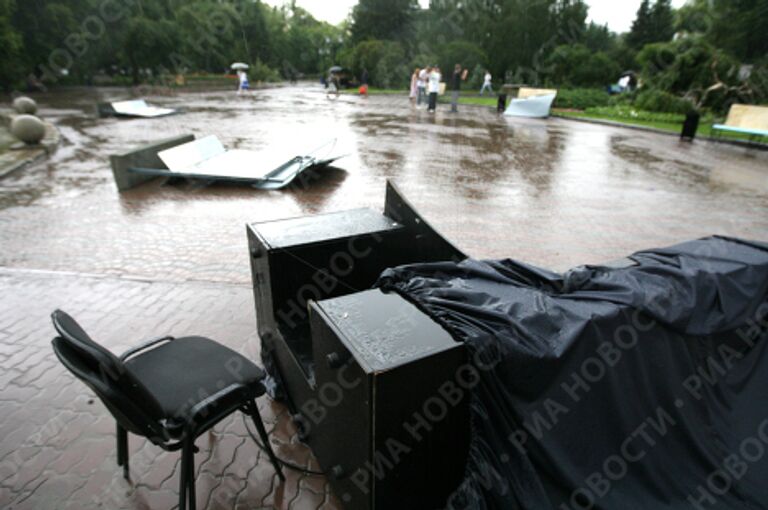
point(748, 117)
point(134, 408)
point(529, 92)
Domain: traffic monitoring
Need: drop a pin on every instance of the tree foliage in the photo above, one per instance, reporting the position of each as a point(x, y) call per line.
point(537, 42)
point(741, 27)
point(653, 23)
point(10, 45)
point(383, 19)
point(77, 39)
point(578, 66)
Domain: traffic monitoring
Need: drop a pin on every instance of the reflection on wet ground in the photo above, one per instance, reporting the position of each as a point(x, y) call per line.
point(551, 192)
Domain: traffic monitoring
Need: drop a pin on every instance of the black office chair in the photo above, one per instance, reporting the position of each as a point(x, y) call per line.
point(167, 390)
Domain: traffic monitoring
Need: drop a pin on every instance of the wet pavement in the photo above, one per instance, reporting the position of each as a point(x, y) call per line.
point(173, 258)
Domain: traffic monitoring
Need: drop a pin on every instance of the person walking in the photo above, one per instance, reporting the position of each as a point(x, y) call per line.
point(334, 84)
point(414, 92)
point(456, 78)
point(433, 88)
point(421, 84)
point(487, 83)
point(243, 85)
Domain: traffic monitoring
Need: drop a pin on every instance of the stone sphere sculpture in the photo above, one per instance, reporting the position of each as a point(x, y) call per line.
point(25, 105)
point(28, 128)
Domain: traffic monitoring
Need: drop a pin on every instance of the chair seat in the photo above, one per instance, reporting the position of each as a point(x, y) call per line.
point(186, 371)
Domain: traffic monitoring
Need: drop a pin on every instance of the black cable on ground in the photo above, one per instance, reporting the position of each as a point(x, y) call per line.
point(285, 463)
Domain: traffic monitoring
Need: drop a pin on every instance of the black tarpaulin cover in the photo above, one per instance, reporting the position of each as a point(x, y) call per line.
point(644, 387)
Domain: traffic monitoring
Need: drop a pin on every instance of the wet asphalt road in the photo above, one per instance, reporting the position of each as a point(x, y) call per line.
point(555, 193)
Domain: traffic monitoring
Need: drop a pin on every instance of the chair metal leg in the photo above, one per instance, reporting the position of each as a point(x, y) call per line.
point(183, 478)
point(191, 475)
point(256, 417)
point(122, 450)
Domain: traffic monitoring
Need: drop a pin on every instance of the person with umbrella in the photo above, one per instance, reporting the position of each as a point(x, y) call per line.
point(334, 83)
point(242, 77)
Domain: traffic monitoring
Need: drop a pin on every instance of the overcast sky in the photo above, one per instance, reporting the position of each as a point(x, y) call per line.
point(617, 13)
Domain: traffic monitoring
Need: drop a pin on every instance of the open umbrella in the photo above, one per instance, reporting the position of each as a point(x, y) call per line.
point(335, 69)
point(239, 65)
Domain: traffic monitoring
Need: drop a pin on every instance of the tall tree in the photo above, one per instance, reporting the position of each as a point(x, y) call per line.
point(383, 19)
point(741, 27)
point(599, 38)
point(641, 34)
point(662, 21)
point(11, 46)
point(571, 21)
point(695, 17)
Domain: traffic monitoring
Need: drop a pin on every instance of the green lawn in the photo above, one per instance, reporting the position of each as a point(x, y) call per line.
point(663, 125)
point(705, 125)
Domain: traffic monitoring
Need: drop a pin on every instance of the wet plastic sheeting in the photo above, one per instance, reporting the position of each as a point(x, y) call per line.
point(643, 387)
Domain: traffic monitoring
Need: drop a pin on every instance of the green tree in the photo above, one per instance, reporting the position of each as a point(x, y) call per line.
point(311, 46)
point(149, 45)
point(599, 38)
point(570, 20)
point(44, 27)
point(383, 19)
point(741, 27)
point(469, 55)
point(640, 34)
point(522, 37)
point(384, 60)
point(11, 64)
point(578, 66)
point(695, 17)
point(662, 21)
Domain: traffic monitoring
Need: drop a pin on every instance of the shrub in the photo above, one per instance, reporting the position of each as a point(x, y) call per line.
point(476, 77)
point(581, 99)
point(260, 71)
point(578, 66)
point(657, 101)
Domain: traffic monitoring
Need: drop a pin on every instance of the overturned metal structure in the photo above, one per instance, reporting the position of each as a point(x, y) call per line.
point(207, 160)
point(346, 359)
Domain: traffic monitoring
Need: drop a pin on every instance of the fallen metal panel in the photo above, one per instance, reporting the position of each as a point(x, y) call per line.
point(141, 157)
point(207, 159)
point(133, 108)
point(191, 154)
point(276, 179)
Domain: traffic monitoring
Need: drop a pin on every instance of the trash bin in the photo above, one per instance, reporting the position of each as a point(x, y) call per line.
point(502, 104)
point(690, 126)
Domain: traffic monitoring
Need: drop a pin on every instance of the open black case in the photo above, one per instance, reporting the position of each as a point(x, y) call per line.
point(363, 372)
